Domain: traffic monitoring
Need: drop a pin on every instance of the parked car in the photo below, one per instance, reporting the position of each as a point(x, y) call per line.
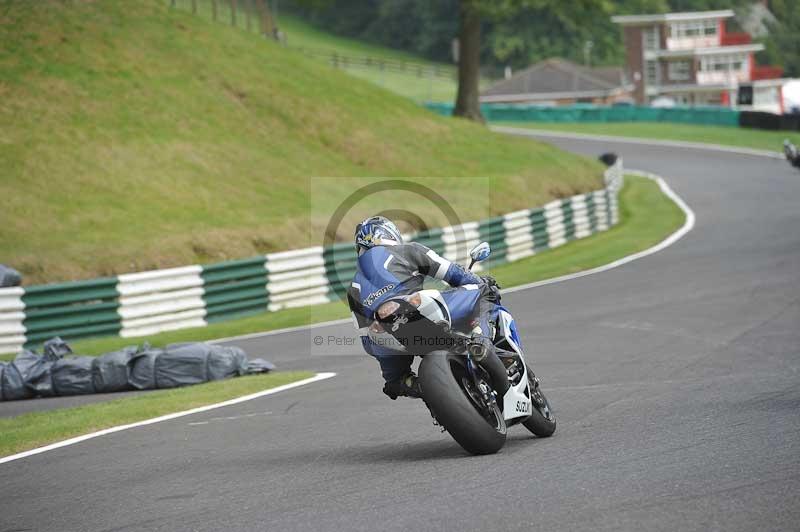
point(663, 101)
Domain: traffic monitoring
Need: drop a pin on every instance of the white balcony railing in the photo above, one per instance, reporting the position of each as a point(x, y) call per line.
point(687, 43)
point(731, 77)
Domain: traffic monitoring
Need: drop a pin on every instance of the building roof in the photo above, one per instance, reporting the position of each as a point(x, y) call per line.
point(672, 17)
point(558, 78)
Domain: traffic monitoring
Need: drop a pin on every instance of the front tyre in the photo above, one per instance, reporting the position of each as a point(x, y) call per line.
point(542, 422)
point(450, 394)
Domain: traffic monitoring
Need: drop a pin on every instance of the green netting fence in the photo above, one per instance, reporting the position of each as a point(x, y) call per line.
point(717, 116)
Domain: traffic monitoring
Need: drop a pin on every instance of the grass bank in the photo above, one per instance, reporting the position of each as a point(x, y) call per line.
point(144, 137)
point(726, 136)
point(647, 216)
point(28, 431)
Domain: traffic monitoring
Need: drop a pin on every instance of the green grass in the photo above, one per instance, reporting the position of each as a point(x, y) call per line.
point(35, 429)
point(727, 136)
point(137, 137)
point(646, 218)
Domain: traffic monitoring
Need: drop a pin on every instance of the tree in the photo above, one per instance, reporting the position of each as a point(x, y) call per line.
point(471, 13)
point(469, 53)
point(783, 43)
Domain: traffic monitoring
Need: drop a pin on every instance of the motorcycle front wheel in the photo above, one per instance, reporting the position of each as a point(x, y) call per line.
point(458, 406)
point(542, 422)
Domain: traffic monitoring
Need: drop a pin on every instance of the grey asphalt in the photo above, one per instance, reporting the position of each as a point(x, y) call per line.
point(674, 378)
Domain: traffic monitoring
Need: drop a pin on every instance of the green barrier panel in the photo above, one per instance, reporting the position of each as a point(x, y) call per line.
point(431, 238)
point(539, 229)
point(569, 223)
point(591, 208)
point(340, 266)
point(492, 231)
point(235, 288)
point(71, 310)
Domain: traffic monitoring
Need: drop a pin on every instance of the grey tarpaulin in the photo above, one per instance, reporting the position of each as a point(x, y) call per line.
point(259, 365)
point(9, 276)
point(184, 364)
point(12, 385)
point(56, 348)
point(72, 376)
point(32, 374)
point(143, 372)
point(35, 372)
point(111, 372)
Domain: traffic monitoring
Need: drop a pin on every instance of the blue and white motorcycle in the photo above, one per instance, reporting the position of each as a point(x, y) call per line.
point(475, 401)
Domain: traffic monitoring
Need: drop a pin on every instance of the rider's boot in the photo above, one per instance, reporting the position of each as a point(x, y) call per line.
point(408, 386)
point(479, 346)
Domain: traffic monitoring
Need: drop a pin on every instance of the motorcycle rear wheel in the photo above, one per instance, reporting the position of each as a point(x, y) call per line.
point(450, 394)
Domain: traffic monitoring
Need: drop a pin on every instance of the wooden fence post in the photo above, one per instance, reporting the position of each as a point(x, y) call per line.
point(214, 10)
point(267, 26)
point(233, 12)
point(194, 7)
point(247, 8)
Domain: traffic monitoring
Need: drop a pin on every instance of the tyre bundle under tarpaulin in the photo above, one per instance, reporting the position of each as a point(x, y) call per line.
point(56, 372)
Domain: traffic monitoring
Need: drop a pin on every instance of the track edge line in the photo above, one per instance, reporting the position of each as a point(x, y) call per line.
point(166, 417)
point(687, 226)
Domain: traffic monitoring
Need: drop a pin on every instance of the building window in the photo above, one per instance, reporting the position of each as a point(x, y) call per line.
point(679, 70)
point(651, 38)
point(694, 28)
point(651, 73)
point(724, 63)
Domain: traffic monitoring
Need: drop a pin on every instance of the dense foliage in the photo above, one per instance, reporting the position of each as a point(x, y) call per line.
point(531, 31)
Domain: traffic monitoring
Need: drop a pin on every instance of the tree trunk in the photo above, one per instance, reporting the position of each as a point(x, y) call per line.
point(469, 42)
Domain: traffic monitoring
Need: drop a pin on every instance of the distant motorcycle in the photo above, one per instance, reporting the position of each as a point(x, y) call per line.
point(475, 401)
point(792, 153)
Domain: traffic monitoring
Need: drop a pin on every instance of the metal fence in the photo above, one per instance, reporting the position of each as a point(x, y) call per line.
point(410, 68)
point(249, 15)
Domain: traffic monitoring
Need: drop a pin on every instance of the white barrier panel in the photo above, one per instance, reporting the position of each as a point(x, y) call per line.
point(12, 314)
point(296, 278)
point(161, 300)
point(458, 240)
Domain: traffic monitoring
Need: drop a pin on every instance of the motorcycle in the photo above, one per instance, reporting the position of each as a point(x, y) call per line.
point(792, 153)
point(472, 394)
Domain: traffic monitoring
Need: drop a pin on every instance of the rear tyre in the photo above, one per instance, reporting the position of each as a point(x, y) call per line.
point(450, 393)
point(542, 422)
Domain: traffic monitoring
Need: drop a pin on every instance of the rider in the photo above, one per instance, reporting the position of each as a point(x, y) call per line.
point(388, 267)
point(792, 153)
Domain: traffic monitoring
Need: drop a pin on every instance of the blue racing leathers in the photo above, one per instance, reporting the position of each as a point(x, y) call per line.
point(389, 271)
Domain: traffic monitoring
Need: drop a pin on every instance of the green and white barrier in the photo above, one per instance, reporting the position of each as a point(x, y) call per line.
point(145, 303)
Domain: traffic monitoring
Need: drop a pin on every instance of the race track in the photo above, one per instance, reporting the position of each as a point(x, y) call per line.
point(674, 378)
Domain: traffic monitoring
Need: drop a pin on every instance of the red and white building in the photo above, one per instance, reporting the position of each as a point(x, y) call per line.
point(693, 59)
